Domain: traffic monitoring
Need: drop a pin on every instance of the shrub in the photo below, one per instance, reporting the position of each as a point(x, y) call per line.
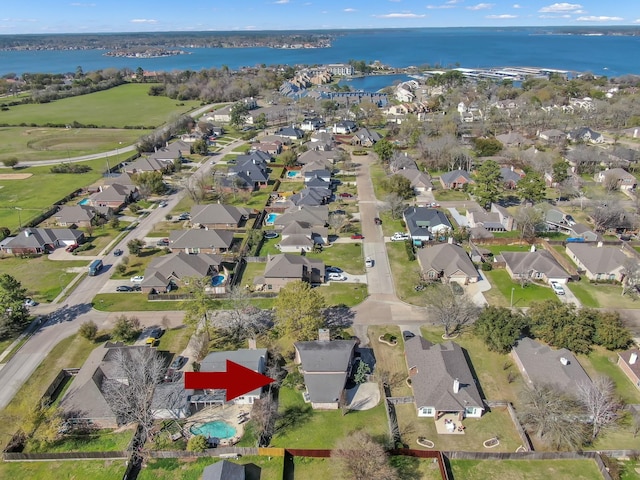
point(486, 267)
point(126, 329)
point(197, 443)
point(411, 255)
point(10, 162)
point(88, 330)
point(388, 337)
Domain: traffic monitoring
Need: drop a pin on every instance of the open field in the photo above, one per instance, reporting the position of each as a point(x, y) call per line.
point(525, 469)
point(126, 105)
point(30, 144)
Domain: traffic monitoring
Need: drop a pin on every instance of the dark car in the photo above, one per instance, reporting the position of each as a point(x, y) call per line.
point(357, 236)
point(124, 288)
point(338, 212)
point(172, 375)
point(184, 216)
point(345, 195)
point(136, 288)
point(377, 221)
point(330, 269)
point(71, 247)
point(163, 242)
point(117, 252)
point(178, 362)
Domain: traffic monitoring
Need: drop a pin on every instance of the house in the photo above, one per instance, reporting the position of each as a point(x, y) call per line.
point(542, 365)
point(114, 196)
point(218, 216)
point(534, 265)
point(420, 181)
point(200, 240)
point(171, 153)
point(317, 164)
point(326, 366)
point(622, 179)
point(248, 173)
point(505, 218)
point(365, 138)
point(552, 136)
point(311, 196)
point(513, 139)
point(456, 179)
point(598, 262)
point(224, 470)
point(344, 127)
point(314, 216)
point(441, 379)
point(162, 272)
point(585, 134)
point(252, 358)
point(298, 237)
point(286, 267)
point(291, 133)
point(78, 215)
point(41, 240)
point(271, 148)
point(312, 124)
point(510, 177)
point(426, 223)
point(447, 262)
point(629, 364)
point(171, 401)
point(320, 157)
point(322, 174)
point(84, 400)
point(401, 162)
point(490, 221)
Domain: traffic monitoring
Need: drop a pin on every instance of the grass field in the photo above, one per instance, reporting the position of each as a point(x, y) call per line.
point(192, 468)
point(93, 469)
point(29, 144)
point(522, 297)
point(126, 105)
point(525, 469)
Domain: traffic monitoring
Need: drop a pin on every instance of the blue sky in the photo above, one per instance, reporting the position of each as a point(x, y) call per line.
point(60, 16)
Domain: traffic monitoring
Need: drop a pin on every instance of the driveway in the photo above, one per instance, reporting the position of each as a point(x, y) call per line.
point(364, 396)
point(569, 297)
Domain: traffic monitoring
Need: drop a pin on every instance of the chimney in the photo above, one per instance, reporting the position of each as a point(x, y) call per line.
point(456, 386)
point(27, 233)
point(252, 344)
point(564, 361)
point(323, 335)
point(633, 358)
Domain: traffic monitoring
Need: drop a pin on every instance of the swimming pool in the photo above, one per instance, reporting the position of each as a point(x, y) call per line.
point(217, 429)
point(84, 201)
point(217, 280)
point(293, 173)
point(270, 219)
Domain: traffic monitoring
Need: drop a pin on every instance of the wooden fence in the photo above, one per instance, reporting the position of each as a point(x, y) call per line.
point(57, 456)
point(524, 438)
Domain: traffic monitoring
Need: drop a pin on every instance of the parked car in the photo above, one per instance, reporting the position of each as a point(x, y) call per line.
point(557, 288)
point(172, 375)
point(71, 247)
point(330, 269)
point(345, 195)
point(184, 216)
point(338, 212)
point(336, 277)
point(377, 221)
point(178, 362)
point(123, 288)
point(399, 237)
point(368, 262)
point(434, 205)
point(117, 252)
point(407, 334)
point(357, 236)
point(163, 204)
point(137, 279)
point(29, 302)
point(163, 242)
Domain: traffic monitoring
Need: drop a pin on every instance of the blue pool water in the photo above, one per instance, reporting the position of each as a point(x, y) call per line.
point(271, 218)
point(217, 280)
point(84, 201)
point(293, 173)
point(217, 429)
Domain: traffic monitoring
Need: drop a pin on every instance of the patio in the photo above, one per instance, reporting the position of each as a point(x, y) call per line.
point(449, 424)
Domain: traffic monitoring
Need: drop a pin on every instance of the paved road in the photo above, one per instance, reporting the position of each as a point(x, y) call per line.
point(65, 320)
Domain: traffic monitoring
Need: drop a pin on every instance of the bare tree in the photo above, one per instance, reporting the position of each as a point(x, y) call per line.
point(529, 221)
point(395, 205)
point(129, 389)
point(338, 222)
point(450, 310)
point(610, 182)
point(599, 399)
point(200, 344)
point(554, 417)
point(359, 457)
point(241, 320)
point(631, 276)
point(605, 214)
point(264, 414)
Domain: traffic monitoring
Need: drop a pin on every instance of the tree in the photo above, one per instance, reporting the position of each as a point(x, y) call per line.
point(13, 313)
point(384, 149)
point(499, 328)
point(264, 414)
point(560, 325)
point(241, 320)
point(399, 185)
point(10, 162)
point(450, 310)
point(200, 305)
point(606, 214)
point(239, 113)
point(611, 332)
point(299, 310)
point(288, 158)
point(486, 147)
point(126, 329)
point(88, 330)
point(114, 223)
point(531, 187)
point(529, 221)
point(395, 205)
point(197, 443)
point(554, 417)
point(260, 121)
point(361, 372)
point(598, 397)
point(135, 246)
point(200, 147)
point(559, 172)
point(149, 183)
point(487, 189)
point(129, 388)
point(359, 457)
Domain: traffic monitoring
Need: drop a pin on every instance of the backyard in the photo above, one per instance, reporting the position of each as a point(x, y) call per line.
point(192, 468)
point(93, 469)
point(525, 469)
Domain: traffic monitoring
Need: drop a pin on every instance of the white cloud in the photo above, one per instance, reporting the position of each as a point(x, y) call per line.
point(453, 2)
point(601, 18)
point(281, 1)
point(561, 7)
point(400, 15)
point(481, 6)
point(554, 16)
point(434, 7)
point(504, 16)
point(515, 5)
point(637, 20)
point(143, 20)
point(349, 10)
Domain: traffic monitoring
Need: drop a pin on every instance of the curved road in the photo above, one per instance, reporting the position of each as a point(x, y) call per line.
point(65, 320)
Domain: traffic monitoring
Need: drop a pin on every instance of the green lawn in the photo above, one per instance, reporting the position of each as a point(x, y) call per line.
point(100, 441)
point(192, 468)
point(604, 362)
point(175, 340)
point(51, 278)
point(93, 469)
point(132, 301)
point(31, 143)
point(602, 295)
point(525, 469)
point(450, 195)
point(347, 256)
point(390, 360)
point(405, 274)
point(522, 297)
point(391, 225)
point(350, 294)
point(303, 427)
point(126, 105)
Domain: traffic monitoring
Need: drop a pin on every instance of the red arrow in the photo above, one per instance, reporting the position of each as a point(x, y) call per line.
point(237, 380)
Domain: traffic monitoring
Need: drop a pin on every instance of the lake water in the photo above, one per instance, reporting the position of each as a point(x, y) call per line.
point(611, 55)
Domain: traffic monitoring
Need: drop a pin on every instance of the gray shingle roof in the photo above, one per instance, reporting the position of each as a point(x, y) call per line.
point(180, 265)
point(451, 259)
point(217, 213)
point(287, 265)
point(200, 238)
point(433, 370)
point(521, 263)
point(224, 470)
point(602, 260)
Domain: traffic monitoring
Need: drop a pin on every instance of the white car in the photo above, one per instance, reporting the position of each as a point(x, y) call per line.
point(368, 262)
point(336, 277)
point(137, 279)
point(399, 236)
point(557, 288)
